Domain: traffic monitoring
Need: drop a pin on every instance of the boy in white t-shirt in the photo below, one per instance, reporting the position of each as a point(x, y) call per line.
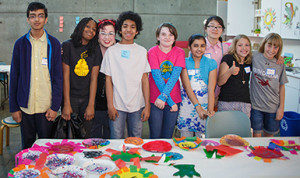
point(127, 86)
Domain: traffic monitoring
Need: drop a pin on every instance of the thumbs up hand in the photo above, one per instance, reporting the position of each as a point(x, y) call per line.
point(234, 69)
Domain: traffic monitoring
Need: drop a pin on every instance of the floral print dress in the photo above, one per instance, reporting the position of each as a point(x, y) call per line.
point(188, 119)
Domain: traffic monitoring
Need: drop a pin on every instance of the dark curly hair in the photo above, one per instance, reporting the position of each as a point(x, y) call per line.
point(129, 15)
point(36, 6)
point(76, 36)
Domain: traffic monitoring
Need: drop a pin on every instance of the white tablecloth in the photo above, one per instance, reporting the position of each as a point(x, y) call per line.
point(239, 165)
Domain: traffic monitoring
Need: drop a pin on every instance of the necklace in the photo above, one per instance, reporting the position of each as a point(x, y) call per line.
point(242, 68)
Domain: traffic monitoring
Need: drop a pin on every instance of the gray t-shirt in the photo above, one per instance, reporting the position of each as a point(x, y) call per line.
point(266, 78)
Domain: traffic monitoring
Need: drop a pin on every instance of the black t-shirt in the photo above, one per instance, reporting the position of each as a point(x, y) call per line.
point(234, 89)
point(81, 65)
point(101, 102)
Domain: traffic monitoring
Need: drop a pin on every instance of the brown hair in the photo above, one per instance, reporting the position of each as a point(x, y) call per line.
point(172, 30)
point(274, 39)
point(232, 49)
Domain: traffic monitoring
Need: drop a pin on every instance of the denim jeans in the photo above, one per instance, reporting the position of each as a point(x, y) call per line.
point(162, 122)
point(100, 127)
point(134, 125)
point(263, 121)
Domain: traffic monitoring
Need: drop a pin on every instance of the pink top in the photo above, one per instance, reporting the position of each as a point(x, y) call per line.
point(165, 62)
point(215, 52)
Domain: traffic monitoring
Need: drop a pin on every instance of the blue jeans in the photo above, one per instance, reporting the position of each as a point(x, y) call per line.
point(162, 122)
point(263, 121)
point(134, 125)
point(100, 127)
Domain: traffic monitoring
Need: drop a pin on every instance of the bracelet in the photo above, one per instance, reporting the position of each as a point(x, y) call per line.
point(165, 95)
point(196, 105)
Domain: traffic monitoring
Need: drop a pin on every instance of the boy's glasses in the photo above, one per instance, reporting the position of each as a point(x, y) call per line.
point(214, 27)
point(41, 16)
point(110, 34)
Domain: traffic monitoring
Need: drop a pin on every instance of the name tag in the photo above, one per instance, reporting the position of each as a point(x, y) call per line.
point(125, 54)
point(271, 71)
point(191, 72)
point(44, 61)
point(208, 55)
point(247, 70)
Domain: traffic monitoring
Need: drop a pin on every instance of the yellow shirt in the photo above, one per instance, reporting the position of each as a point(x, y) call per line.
point(40, 85)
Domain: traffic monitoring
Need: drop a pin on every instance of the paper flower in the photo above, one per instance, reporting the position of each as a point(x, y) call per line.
point(64, 146)
point(29, 155)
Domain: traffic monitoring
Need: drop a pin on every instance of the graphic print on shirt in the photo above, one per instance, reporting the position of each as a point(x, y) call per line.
point(166, 68)
point(81, 68)
point(262, 82)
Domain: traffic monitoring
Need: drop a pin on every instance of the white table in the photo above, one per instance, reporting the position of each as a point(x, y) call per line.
point(4, 70)
point(239, 165)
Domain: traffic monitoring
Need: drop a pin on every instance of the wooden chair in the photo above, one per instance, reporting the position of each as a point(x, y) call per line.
point(7, 123)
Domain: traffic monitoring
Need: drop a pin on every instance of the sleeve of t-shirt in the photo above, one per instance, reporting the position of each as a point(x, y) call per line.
point(147, 66)
point(212, 65)
point(98, 56)
point(283, 78)
point(180, 61)
point(228, 59)
point(153, 59)
point(66, 52)
point(105, 66)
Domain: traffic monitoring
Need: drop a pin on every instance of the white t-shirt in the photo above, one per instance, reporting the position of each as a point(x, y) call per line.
point(126, 64)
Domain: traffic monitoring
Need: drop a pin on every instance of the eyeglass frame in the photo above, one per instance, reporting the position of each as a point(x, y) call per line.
point(214, 27)
point(40, 16)
point(110, 34)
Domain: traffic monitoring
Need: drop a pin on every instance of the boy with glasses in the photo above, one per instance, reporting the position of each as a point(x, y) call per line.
point(35, 78)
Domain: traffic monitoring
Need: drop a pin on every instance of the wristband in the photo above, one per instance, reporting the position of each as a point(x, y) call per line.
point(196, 105)
point(165, 95)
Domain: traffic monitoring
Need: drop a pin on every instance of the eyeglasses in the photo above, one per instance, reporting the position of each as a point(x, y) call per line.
point(110, 34)
point(214, 27)
point(41, 16)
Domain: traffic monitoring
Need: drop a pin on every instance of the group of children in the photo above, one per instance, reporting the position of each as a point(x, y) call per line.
point(134, 85)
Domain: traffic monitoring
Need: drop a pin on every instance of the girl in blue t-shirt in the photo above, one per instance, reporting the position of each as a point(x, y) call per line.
point(199, 82)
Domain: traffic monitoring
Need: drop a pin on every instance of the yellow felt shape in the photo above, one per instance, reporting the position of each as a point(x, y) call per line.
point(81, 68)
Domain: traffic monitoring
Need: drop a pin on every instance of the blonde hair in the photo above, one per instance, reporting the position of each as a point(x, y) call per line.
point(274, 39)
point(232, 49)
